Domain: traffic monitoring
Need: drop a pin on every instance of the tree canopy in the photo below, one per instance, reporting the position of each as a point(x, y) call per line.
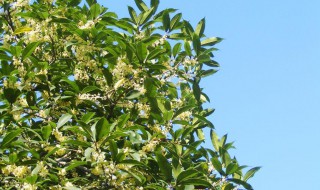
point(89, 100)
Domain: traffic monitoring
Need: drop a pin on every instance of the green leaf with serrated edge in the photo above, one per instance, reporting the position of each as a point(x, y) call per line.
point(211, 41)
point(10, 137)
point(133, 15)
point(200, 27)
point(164, 165)
point(63, 120)
point(29, 50)
point(250, 173)
point(75, 164)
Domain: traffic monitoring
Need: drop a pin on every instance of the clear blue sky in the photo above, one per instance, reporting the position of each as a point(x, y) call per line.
point(267, 92)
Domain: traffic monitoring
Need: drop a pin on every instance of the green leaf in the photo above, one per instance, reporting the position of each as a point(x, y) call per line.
point(196, 43)
point(95, 10)
point(196, 90)
point(123, 120)
point(154, 4)
point(200, 27)
point(114, 149)
point(22, 29)
point(231, 168)
point(146, 16)
point(91, 2)
point(10, 137)
point(176, 49)
point(86, 117)
point(102, 128)
point(29, 50)
point(155, 53)
point(184, 175)
point(73, 84)
point(204, 120)
point(211, 41)
point(133, 95)
point(75, 164)
point(195, 181)
point(11, 94)
point(207, 73)
point(74, 3)
point(166, 21)
point(141, 52)
point(89, 89)
point(175, 21)
point(138, 177)
point(217, 165)
point(133, 15)
point(183, 109)
point(63, 119)
point(164, 165)
point(250, 173)
point(141, 5)
point(187, 48)
point(215, 140)
point(240, 182)
point(5, 57)
point(77, 143)
point(46, 131)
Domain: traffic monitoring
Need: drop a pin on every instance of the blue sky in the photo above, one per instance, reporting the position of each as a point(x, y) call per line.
point(267, 93)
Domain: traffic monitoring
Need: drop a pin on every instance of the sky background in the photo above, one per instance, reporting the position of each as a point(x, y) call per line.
point(266, 93)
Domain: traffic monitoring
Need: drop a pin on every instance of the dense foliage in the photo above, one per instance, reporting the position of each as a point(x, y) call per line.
point(92, 101)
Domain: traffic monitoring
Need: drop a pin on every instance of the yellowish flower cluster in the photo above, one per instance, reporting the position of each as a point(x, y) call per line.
point(58, 135)
point(150, 146)
point(17, 171)
point(28, 186)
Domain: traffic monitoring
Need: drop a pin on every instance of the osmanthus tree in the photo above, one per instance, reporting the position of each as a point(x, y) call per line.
point(92, 101)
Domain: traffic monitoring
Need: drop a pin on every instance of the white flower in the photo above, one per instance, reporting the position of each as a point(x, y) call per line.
point(88, 25)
